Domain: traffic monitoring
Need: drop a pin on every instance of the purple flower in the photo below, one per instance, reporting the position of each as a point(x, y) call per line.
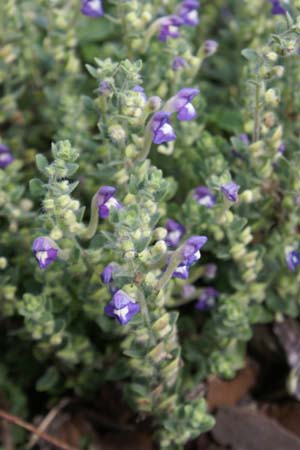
point(107, 201)
point(281, 149)
point(170, 28)
point(188, 291)
point(92, 8)
point(189, 12)
point(190, 254)
point(181, 103)
point(162, 128)
point(179, 63)
point(107, 273)
point(293, 259)
point(204, 196)
point(175, 233)
point(182, 271)
point(210, 47)
point(244, 138)
point(230, 190)
point(6, 158)
point(210, 271)
point(105, 88)
point(45, 251)
point(122, 307)
point(141, 90)
point(277, 8)
point(206, 299)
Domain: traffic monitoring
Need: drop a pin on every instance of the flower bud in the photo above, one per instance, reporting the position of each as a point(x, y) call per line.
point(63, 201)
point(246, 236)
point(150, 279)
point(130, 255)
point(272, 56)
point(56, 234)
point(250, 259)
point(272, 98)
point(247, 196)
point(121, 176)
point(48, 204)
point(159, 233)
point(3, 263)
point(127, 246)
point(159, 248)
point(146, 17)
point(269, 119)
point(278, 71)
point(129, 199)
point(210, 47)
point(144, 256)
point(26, 204)
point(74, 205)
point(226, 218)
point(249, 275)
point(257, 149)
point(117, 133)
point(154, 103)
point(237, 251)
point(131, 151)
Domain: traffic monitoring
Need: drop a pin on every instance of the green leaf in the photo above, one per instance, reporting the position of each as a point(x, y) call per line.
point(41, 162)
point(91, 31)
point(72, 168)
point(250, 54)
point(91, 70)
point(37, 187)
point(48, 380)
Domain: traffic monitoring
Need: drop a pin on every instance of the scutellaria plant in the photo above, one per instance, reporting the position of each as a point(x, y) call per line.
point(160, 222)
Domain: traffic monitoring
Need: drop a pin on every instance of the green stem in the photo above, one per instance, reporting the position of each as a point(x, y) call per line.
point(256, 131)
point(174, 262)
point(147, 145)
point(147, 318)
point(94, 220)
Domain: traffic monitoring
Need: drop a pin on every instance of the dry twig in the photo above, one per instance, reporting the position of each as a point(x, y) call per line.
point(27, 426)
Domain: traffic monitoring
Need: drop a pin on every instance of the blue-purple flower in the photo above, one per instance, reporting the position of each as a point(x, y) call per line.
point(210, 47)
point(230, 190)
point(188, 11)
point(181, 103)
point(161, 128)
point(210, 271)
point(207, 299)
point(92, 8)
point(169, 27)
point(204, 196)
point(175, 233)
point(141, 90)
point(45, 251)
point(107, 273)
point(277, 8)
point(6, 158)
point(188, 291)
point(179, 63)
point(293, 259)
point(190, 253)
point(281, 148)
point(244, 138)
point(106, 201)
point(105, 88)
point(122, 307)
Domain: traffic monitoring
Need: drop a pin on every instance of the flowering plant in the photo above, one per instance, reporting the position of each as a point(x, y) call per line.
point(147, 164)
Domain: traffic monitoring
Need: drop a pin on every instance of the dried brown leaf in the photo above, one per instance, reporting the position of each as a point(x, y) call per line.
point(243, 428)
point(229, 393)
